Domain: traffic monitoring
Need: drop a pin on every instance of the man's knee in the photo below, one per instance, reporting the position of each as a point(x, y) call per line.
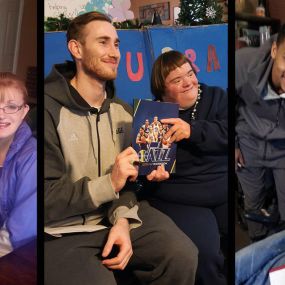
point(183, 251)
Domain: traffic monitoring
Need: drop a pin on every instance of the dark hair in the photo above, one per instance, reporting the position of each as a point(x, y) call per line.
point(163, 65)
point(8, 81)
point(281, 35)
point(76, 26)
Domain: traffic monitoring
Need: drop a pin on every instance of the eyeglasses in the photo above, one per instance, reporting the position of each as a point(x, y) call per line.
point(11, 109)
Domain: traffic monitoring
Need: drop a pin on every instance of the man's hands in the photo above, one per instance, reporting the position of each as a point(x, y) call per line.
point(123, 168)
point(180, 130)
point(239, 161)
point(119, 235)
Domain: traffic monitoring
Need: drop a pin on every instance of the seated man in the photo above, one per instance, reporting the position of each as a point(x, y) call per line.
point(93, 221)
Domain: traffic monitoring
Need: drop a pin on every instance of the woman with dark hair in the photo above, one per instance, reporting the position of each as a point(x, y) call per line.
point(18, 173)
point(195, 197)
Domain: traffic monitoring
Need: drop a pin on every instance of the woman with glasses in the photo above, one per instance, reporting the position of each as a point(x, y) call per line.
point(18, 182)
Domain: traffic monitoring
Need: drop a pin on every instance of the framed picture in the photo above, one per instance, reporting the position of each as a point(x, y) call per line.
point(146, 12)
point(176, 11)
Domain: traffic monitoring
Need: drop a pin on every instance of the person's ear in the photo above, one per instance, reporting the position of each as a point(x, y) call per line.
point(26, 109)
point(273, 50)
point(75, 49)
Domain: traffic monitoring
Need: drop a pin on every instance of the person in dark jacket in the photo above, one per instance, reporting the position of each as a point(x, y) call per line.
point(260, 125)
point(195, 197)
point(93, 222)
point(18, 167)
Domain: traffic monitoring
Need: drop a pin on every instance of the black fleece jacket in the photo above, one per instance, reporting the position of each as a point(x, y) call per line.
point(202, 160)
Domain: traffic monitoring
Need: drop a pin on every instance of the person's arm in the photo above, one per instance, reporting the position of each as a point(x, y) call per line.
point(239, 160)
point(21, 223)
point(138, 139)
point(119, 236)
point(125, 207)
point(208, 135)
point(211, 135)
point(122, 219)
point(65, 198)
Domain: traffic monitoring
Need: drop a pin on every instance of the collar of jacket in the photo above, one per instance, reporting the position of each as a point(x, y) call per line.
point(104, 108)
point(22, 134)
point(93, 110)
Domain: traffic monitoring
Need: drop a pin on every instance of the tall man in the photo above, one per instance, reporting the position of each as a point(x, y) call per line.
point(260, 126)
point(93, 221)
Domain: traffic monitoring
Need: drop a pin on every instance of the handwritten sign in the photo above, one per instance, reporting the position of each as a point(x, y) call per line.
point(72, 8)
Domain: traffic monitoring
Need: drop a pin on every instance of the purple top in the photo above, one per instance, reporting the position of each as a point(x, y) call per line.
point(18, 184)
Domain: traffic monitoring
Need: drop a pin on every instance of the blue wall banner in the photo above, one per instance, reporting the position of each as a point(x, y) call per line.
point(205, 46)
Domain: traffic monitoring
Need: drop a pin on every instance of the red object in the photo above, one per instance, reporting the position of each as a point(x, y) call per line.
point(139, 74)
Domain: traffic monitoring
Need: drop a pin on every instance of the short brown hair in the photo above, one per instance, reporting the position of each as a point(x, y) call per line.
point(76, 26)
point(9, 80)
point(163, 65)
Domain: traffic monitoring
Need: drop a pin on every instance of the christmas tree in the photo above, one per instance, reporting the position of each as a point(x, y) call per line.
point(200, 12)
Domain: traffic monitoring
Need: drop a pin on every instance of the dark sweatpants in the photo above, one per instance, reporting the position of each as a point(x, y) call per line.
point(162, 255)
point(200, 210)
point(200, 224)
point(252, 180)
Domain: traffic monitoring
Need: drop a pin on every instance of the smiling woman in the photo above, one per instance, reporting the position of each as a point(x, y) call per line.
point(18, 182)
point(195, 196)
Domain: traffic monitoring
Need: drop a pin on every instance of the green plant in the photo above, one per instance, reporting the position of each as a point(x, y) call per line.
point(56, 24)
point(128, 24)
point(200, 12)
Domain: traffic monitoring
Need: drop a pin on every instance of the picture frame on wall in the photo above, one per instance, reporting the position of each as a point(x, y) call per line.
point(146, 12)
point(176, 11)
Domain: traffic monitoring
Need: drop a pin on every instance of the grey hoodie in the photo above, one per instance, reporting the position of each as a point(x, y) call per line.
point(81, 144)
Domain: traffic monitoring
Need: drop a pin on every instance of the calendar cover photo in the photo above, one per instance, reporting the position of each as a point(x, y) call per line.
point(148, 135)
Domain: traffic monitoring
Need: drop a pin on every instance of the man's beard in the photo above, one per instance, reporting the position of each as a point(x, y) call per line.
point(98, 69)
